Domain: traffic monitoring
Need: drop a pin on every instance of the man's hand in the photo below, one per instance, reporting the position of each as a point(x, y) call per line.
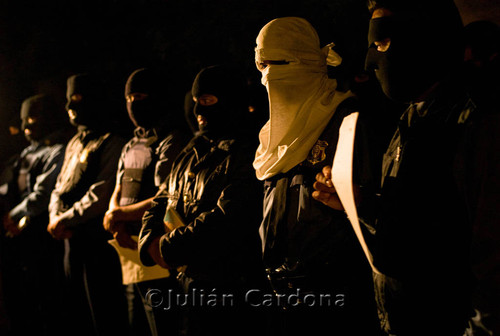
point(325, 191)
point(10, 226)
point(57, 230)
point(109, 222)
point(124, 239)
point(154, 252)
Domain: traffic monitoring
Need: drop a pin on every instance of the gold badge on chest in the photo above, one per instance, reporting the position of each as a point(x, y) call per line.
point(317, 153)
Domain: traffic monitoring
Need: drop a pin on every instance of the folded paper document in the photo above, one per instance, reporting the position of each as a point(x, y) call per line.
point(133, 271)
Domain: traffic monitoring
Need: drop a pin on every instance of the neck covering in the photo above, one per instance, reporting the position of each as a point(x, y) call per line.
point(302, 99)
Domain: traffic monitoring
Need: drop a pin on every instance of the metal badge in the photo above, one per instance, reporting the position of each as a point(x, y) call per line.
point(317, 153)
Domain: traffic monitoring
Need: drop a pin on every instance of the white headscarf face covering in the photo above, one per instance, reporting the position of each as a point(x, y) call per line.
point(302, 98)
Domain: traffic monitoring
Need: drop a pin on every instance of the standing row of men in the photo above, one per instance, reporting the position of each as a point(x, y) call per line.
point(193, 206)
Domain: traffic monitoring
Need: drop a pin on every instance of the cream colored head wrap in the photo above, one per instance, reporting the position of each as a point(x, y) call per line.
point(302, 98)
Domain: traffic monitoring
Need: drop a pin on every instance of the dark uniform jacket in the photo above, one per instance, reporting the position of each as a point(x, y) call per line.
point(36, 174)
point(213, 188)
point(86, 181)
point(31, 262)
point(92, 267)
point(302, 238)
point(311, 249)
point(422, 238)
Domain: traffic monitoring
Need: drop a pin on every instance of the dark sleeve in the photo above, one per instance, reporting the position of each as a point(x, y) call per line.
point(37, 201)
point(152, 226)
point(228, 224)
point(367, 163)
point(55, 203)
point(167, 151)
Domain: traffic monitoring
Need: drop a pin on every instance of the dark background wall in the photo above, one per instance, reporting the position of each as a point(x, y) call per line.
point(44, 42)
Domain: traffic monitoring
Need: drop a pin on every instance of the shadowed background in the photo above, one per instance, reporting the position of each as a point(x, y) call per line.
point(44, 42)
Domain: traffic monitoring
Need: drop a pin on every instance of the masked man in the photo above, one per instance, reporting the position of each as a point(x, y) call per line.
point(422, 234)
point(145, 162)
point(33, 273)
point(210, 204)
point(310, 250)
point(95, 301)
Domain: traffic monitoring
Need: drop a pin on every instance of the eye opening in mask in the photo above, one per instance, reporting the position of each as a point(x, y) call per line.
point(383, 45)
point(206, 99)
point(262, 65)
point(76, 97)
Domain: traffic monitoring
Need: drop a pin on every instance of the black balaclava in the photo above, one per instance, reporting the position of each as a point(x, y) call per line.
point(230, 88)
point(151, 111)
point(189, 114)
point(426, 44)
point(90, 112)
point(40, 117)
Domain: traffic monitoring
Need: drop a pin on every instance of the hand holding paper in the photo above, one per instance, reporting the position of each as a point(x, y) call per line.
point(325, 191)
point(334, 185)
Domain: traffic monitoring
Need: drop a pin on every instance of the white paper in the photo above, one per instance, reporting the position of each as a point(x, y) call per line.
point(133, 271)
point(342, 178)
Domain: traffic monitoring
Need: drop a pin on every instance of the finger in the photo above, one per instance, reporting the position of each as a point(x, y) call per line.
point(327, 172)
point(320, 177)
point(322, 187)
point(105, 224)
point(328, 199)
point(108, 221)
point(51, 230)
point(321, 196)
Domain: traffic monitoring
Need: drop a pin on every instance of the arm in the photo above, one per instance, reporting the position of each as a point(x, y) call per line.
point(111, 224)
point(95, 201)
point(224, 228)
point(114, 201)
point(132, 212)
point(37, 201)
point(116, 218)
point(152, 229)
